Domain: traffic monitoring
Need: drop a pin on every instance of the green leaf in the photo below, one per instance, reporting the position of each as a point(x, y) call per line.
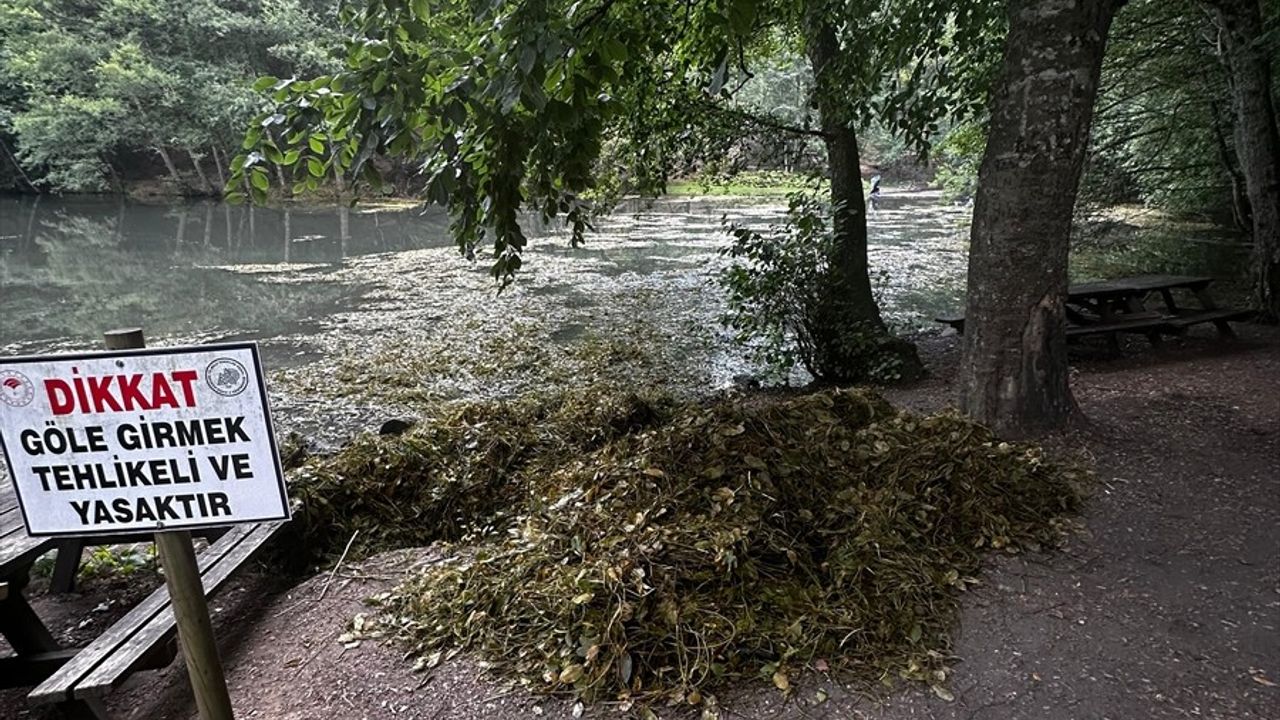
point(614, 51)
point(315, 167)
point(264, 83)
point(258, 178)
point(316, 145)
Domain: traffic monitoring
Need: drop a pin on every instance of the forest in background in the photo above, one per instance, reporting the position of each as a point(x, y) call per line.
point(109, 95)
point(99, 95)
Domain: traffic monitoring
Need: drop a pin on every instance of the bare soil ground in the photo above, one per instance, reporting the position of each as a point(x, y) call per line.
point(1165, 605)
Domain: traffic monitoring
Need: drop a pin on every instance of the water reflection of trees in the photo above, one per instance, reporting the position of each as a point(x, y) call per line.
point(69, 269)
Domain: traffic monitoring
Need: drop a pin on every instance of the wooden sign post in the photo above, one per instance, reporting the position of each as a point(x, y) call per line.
point(186, 591)
point(160, 441)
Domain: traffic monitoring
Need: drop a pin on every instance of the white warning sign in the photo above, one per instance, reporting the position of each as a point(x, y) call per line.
point(140, 440)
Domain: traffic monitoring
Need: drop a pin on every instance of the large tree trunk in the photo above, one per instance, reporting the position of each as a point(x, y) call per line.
point(1240, 213)
point(851, 307)
point(1013, 375)
point(1257, 141)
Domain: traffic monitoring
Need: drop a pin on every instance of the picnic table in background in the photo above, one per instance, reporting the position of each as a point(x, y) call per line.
point(1110, 307)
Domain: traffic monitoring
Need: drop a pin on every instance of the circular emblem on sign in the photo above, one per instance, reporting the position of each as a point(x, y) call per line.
point(227, 377)
point(16, 389)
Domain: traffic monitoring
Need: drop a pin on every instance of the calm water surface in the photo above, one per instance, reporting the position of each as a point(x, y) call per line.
point(361, 311)
point(70, 268)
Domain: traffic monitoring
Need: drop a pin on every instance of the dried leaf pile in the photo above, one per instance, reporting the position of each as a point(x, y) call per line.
point(456, 472)
point(652, 551)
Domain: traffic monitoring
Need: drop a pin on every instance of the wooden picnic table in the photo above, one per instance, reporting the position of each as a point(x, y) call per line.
point(36, 653)
point(76, 679)
point(1109, 307)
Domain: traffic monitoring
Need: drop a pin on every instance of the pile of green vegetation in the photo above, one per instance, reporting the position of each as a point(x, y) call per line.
point(651, 550)
point(457, 473)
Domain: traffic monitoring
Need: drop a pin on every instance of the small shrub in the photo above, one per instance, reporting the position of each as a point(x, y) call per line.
point(960, 155)
point(780, 292)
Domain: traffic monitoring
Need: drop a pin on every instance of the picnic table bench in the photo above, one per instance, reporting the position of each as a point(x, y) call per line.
point(1111, 307)
point(77, 679)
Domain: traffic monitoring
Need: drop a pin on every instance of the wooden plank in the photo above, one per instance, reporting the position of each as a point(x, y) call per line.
point(1142, 325)
point(1121, 287)
point(8, 504)
point(120, 664)
point(8, 501)
point(1187, 318)
point(20, 625)
point(10, 523)
point(63, 580)
point(18, 550)
point(955, 321)
point(1166, 282)
point(58, 687)
point(1100, 289)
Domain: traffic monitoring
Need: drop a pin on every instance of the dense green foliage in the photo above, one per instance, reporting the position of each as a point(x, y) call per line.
point(91, 90)
point(1164, 126)
point(776, 292)
point(508, 107)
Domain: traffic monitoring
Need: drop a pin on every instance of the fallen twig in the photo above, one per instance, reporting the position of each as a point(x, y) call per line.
point(333, 572)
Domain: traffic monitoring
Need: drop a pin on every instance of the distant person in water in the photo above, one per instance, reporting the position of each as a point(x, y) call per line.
point(874, 195)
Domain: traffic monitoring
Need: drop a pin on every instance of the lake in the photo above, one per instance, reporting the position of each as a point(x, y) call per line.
point(363, 311)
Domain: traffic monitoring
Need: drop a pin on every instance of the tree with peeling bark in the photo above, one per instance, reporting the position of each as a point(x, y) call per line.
point(1014, 373)
point(1248, 54)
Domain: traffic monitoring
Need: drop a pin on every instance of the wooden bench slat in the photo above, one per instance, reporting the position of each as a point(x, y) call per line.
point(162, 628)
point(1144, 323)
point(18, 549)
point(1141, 325)
point(59, 686)
point(1187, 318)
point(10, 525)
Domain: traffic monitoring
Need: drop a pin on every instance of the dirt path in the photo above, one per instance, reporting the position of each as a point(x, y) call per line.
point(1166, 605)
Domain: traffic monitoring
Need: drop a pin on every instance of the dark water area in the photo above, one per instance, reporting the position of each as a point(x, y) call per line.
point(73, 267)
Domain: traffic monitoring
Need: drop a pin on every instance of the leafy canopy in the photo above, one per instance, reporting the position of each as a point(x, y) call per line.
point(507, 107)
